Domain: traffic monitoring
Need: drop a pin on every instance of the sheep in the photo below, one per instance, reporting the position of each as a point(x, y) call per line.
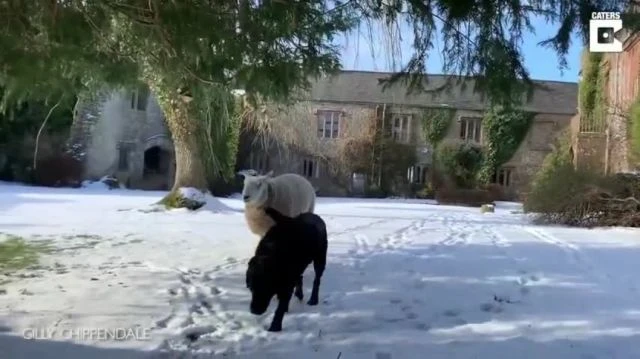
point(289, 194)
point(281, 258)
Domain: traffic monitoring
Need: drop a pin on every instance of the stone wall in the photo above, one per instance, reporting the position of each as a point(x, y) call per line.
point(108, 132)
point(108, 123)
point(622, 91)
point(539, 142)
point(524, 164)
point(290, 159)
point(590, 149)
point(87, 113)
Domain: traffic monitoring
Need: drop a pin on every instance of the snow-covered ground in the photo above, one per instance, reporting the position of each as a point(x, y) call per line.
point(405, 279)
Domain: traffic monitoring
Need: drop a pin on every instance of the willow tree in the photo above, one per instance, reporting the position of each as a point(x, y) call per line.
point(190, 53)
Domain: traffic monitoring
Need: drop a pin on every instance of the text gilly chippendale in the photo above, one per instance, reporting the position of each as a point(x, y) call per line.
point(88, 334)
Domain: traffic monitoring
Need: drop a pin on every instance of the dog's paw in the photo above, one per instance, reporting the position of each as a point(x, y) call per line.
point(275, 328)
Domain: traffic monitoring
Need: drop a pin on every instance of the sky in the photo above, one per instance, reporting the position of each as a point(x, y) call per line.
point(542, 63)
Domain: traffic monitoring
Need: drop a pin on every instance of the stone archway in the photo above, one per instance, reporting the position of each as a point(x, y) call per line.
point(158, 163)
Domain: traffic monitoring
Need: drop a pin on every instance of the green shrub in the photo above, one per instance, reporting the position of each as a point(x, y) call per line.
point(556, 189)
point(427, 192)
point(375, 192)
point(562, 194)
point(634, 131)
point(586, 199)
point(460, 161)
point(550, 178)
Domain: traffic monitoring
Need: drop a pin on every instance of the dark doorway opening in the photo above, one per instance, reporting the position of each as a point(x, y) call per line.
point(157, 164)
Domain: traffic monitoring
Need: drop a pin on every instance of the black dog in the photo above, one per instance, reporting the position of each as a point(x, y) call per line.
point(281, 258)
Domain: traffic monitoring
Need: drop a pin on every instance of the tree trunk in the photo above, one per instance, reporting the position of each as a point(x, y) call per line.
point(190, 170)
point(185, 130)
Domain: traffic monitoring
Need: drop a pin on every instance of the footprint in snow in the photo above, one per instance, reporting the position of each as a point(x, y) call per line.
point(194, 333)
point(460, 321)
point(215, 291)
point(162, 323)
point(451, 313)
point(411, 315)
point(382, 355)
point(491, 308)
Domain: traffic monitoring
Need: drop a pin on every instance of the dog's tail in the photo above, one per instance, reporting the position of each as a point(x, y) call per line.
point(276, 216)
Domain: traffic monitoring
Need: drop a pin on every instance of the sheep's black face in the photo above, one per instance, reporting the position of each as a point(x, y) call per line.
point(261, 285)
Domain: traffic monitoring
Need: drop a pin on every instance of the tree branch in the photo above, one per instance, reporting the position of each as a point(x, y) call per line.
point(44, 123)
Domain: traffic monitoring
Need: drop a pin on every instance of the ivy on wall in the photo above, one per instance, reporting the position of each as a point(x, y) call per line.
point(436, 123)
point(505, 127)
point(592, 91)
point(634, 131)
point(460, 161)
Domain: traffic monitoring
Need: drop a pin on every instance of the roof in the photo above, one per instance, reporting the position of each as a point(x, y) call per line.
point(363, 87)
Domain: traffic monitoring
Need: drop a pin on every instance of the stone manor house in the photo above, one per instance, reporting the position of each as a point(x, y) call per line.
point(124, 135)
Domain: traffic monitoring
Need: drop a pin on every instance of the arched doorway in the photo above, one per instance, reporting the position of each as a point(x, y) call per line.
point(158, 168)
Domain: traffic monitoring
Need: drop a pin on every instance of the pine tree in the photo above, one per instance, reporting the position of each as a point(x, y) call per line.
point(192, 52)
point(483, 38)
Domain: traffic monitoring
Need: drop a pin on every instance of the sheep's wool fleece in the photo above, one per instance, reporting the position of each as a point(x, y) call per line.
point(259, 222)
point(290, 194)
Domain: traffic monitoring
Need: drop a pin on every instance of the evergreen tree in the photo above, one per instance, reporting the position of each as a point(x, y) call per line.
point(483, 38)
point(190, 53)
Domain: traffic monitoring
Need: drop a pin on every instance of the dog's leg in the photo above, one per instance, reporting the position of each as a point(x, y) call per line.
point(319, 265)
point(298, 291)
point(283, 305)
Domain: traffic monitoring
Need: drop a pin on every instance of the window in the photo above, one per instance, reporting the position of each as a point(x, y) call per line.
point(310, 168)
point(417, 174)
point(471, 129)
point(123, 156)
point(328, 124)
point(503, 177)
point(401, 128)
point(139, 98)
